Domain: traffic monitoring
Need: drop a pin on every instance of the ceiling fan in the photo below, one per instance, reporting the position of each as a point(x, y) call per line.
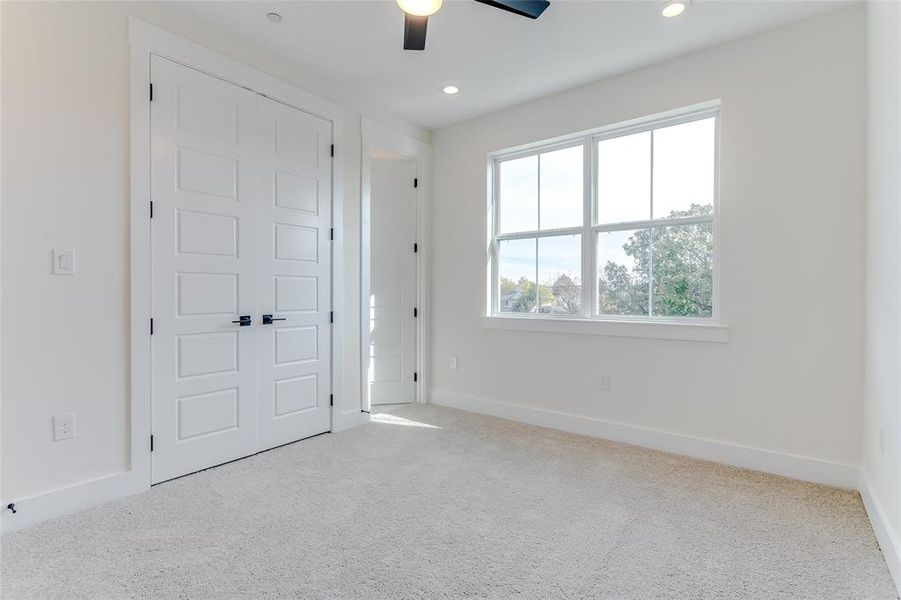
point(416, 17)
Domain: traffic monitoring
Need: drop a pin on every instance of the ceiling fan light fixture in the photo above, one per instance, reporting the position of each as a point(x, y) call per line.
point(674, 8)
point(417, 13)
point(420, 8)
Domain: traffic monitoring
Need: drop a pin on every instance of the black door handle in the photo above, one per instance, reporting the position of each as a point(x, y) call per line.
point(244, 321)
point(268, 319)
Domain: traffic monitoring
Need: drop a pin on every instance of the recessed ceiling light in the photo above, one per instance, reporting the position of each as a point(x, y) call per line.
point(450, 89)
point(673, 8)
point(274, 17)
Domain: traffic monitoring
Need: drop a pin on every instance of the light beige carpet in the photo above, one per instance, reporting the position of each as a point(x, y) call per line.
point(428, 502)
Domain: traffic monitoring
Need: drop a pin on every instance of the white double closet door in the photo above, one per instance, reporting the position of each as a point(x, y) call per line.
point(241, 290)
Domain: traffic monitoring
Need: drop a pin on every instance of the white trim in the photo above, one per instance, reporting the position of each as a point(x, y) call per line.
point(622, 226)
point(376, 136)
point(3, 509)
point(139, 282)
point(689, 331)
point(758, 459)
point(882, 527)
point(62, 501)
point(346, 418)
point(652, 223)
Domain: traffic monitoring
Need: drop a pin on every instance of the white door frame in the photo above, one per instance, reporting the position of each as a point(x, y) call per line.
point(376, 136)
point(147, 40)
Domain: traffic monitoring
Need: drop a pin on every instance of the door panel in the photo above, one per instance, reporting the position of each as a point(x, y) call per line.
point(241, 191)
point(203, 233)
point(392, 351)
point(204, 216)
point(206, 354)
point(207, 173)
point(293, 276)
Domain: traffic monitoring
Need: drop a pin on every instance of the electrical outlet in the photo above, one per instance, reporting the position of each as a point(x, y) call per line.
point(63, 427)
point(453, 363)
point(882, 441)
point(603, 382)
point(63, 262)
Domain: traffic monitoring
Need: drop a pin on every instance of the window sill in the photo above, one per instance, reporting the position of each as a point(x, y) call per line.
point(662, 330)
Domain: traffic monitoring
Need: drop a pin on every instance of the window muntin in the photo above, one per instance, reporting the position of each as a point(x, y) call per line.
point(649, 246)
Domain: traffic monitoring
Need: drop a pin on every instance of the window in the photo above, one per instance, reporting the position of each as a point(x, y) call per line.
point(629, 210)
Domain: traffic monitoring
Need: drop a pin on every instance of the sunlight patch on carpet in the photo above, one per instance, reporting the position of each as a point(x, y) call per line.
point(387, 419)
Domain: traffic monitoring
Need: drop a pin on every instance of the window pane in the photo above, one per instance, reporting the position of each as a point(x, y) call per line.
point(561, 188)
point(560, 274)
point(519, 195)
point(683, 271)
point(684, 169)
point(624, 178)
point(623, 272)
point(516, 271)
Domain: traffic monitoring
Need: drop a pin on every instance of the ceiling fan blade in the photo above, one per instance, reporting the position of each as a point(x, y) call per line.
point(526, 8)
point(414, 32)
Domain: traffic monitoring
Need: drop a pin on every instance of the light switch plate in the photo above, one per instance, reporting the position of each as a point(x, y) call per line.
point(63, 262)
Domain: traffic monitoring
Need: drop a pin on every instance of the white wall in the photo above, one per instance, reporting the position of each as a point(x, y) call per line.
point(65, 183)
point(790, 378)
point(882, 470)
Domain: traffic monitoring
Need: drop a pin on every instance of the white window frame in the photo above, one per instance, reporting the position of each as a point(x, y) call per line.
point(589, 320)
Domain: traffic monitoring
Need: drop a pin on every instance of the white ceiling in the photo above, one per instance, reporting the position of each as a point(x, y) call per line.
point(497, 58)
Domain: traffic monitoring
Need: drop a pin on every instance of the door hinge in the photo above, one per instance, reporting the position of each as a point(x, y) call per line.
point(151, 92)
point(333, 151)
point(331, 317)
point(331, 234)
point(415, 312)
point(331, 399)
point(415, 247)
point(151, 442)
point(416, 182)
point(151, 209)
point(151, 326)
point(415, 376)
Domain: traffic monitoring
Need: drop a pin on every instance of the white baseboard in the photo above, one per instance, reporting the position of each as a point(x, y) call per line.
point(349, 419)
point(789, 465)
point(882, 527)
point(59, 502)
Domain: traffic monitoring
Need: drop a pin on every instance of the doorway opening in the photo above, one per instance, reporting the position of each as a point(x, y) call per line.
point(393, 314)
point(394, 300)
